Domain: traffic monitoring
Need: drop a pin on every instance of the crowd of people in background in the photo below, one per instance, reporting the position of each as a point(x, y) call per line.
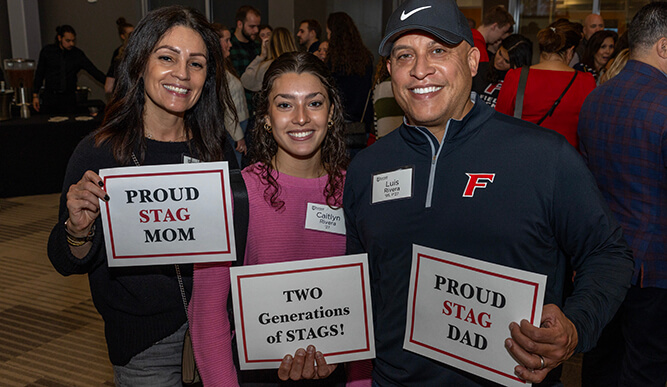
point(604, 93)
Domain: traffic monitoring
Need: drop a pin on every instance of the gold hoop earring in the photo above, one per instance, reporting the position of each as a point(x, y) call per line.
point(330, 125)
point(268, 127)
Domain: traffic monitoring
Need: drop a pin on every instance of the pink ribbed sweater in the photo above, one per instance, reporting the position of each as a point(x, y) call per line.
point(273, 236)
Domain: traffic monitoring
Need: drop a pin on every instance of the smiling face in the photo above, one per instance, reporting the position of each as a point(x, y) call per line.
point(226, 43)
point(175, 73)
point(603, 54)
point(299, 109)
point(67, 40)
point(432, 80)
point(322, 51)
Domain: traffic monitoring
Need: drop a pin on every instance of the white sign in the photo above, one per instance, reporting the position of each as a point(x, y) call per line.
point(392, 185)
point(321, 217)
point(459, 311)
point(166, 214)
point(281, 307)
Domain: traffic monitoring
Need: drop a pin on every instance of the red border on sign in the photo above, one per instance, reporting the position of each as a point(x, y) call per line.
point(414, 301)
point(136, 175)
point(363, 294)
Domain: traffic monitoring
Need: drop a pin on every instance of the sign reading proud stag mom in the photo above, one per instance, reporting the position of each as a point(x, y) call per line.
point(167, 214)
point(460, 309)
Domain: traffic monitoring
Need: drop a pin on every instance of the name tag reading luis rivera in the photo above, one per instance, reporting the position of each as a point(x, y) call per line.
point(321, 217)
point(392, 185)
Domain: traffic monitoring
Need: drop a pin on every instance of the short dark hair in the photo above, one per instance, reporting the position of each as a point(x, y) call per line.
point(498, 14)
point(648, 26)
point(60, 30)
point(123, 124)
point(242, 12)
point(313, 25)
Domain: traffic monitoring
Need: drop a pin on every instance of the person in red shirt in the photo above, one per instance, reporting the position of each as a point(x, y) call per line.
point(496, 24)
point(546, 82)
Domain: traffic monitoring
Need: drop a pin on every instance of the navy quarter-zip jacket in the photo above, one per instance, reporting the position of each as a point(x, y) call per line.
point(542, 213)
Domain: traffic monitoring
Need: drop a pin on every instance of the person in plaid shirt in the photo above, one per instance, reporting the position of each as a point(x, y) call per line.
point(244, 47)
point(623, 137)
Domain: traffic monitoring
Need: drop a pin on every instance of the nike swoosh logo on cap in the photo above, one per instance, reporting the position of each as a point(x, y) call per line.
point(407, 15)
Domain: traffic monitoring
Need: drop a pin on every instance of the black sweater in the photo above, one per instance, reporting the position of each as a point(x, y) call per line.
point(139, 305)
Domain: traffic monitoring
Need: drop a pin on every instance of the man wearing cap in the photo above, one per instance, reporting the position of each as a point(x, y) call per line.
point(480, 184)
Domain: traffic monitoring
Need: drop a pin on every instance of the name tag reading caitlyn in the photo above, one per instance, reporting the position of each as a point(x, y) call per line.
point(392, 185)
point(321, 217)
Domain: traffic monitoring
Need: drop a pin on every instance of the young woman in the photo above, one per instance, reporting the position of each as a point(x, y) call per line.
point(299, 158)
point(124, 31)
point(236, 127)
point(265, 32)
point(547, 81)
point(279, 42)
point(515, 51)
point(166, 105)
point(599, 51)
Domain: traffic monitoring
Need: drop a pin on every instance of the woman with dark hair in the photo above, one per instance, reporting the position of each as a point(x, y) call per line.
point(599, 50)
point(299, 158)
point(279, 42)
point(351, 64)
point(515, 51)
point(169, 103)
point(124, 31)
point(554, 91)
point(58, 61)
point(236, 128)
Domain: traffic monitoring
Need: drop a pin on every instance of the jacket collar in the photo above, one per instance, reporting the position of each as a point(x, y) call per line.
point(457, 130)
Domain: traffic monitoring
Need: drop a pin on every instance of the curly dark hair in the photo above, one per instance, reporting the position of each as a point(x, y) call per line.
point(347, 52)
point(123, 124)
point(333, 154)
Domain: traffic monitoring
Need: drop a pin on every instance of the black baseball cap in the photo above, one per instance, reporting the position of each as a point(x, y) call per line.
point(441, 18)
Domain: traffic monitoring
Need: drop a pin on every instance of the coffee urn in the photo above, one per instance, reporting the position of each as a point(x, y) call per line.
point(20, 73)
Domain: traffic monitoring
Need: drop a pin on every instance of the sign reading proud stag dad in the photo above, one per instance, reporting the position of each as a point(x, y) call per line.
point(460, 309)
point(281, 307)
point(167, 214)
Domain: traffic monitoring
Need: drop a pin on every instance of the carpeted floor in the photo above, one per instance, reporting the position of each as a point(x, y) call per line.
point(50, 332)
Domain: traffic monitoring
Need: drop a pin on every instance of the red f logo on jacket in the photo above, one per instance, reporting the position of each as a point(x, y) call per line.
point(477, 180)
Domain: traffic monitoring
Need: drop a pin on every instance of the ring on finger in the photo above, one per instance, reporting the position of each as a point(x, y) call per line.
point(543, 364)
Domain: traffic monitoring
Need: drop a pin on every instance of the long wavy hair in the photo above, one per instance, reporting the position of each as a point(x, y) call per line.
point(333, 154)
point(123, 124)
point(347, 52)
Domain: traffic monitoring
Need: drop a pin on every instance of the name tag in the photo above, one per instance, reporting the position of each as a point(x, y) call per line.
point(392, 185)
point(321, 217)
point(189, 160)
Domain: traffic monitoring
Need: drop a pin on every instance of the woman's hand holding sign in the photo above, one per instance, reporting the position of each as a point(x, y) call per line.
point(306, 364)
point(83, 208)
point(539, 350)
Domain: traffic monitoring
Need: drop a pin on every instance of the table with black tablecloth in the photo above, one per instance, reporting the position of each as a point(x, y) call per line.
point(34, 152)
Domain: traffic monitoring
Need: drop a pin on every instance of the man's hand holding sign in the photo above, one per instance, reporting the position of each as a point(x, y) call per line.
point(539, 350)
point(459, 310)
